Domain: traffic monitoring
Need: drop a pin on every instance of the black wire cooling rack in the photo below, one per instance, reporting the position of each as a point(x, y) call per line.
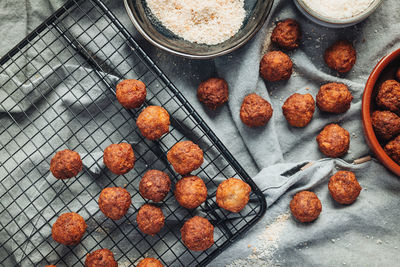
point(57, 92)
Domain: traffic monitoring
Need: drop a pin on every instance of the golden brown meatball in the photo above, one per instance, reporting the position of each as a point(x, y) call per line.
point(190, 192)
point(213, 92)
point(389, 96)
point(119, 158)
point(299, 109)
point(185, 157)
point(392, 149)
point(114, 202)
point(398, 74)
point(150, 219)
point(333, 141)
point(341, 56)
point(276, 66)
point(131, 93)
point(334, 98)
point(287, 34)
point(68, 229)
point(197, 233)
point(386, 124)
point(233, 194)
point(65, 164)
point(305, 206)
point(51, 266)
point(255, 111)
point(153, 122)
point(344, 187)
point(150, 262)
point(154, 185)
point(101, 258)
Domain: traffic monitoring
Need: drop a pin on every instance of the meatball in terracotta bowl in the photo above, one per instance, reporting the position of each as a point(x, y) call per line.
point(381, 109)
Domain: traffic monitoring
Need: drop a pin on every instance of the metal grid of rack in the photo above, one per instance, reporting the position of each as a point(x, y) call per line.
point(58, 92)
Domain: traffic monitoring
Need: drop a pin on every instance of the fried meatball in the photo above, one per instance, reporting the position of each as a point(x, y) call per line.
point(333, 141)
point(386, 124)
point(233, 194)
point(392, 149)
point(389, 96)
point(153, 122)
point(305, 206)
point(344, 187)
point(131, 93)
point(65, 164)
point(150, 219)
point(299, 109)
point(287, 34)
point(119, 158)
point(341, 56)
point(51, 266)
point(276, 66)
point(334, 98)
point(190, 192)
point(197, 233)
point(101, 258)
point(154, 185)
point(213, 92)
point(398, 74)
point(150, 262)
point(255, 111)
point(68, 229)
point(185, 157)
point(114, 202)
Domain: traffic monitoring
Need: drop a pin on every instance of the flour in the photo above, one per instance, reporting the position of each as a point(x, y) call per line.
point(338, 9)
point(200, 21)
point(267, 245)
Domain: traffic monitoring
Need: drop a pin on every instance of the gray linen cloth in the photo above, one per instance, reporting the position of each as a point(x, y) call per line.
point(363, 234)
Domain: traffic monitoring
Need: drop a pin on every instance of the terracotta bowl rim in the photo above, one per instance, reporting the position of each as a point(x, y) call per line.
point(366, 116)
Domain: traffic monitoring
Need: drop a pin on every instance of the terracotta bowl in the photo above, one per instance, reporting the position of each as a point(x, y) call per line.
point(383, 71)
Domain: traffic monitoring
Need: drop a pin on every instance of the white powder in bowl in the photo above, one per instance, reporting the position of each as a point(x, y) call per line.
point(200, 21)
point(338, 9)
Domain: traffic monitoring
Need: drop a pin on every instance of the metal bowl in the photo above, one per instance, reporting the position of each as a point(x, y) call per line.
point(257, 12)
point(336, 23)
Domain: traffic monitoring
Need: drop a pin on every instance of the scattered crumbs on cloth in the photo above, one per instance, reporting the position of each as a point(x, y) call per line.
point(267, 245)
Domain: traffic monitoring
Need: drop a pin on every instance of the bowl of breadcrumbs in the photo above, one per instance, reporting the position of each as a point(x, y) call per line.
point(198, 29)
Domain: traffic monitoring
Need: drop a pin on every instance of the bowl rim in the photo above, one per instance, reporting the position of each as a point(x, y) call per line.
point(192, 56)
point(369, 133)
point(341, 22)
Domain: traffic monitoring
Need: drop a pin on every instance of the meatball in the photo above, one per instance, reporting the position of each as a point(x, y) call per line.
point(287, 34)
point(185, 157)
point(398, 74)
point(386, 124)
point(119, 158)
point(150, 219)
point(51, 266)
point(153, 122)
point(154, 185)
point(334, 98)
point(305, 206)
point(114, 202)
point(276, 66)
point(190, 192)
point(150, 262)
point(68, 229)
point(389, 96)
point(299, 109)
point(101, 258)
point(341, 56)
point(213, 92)
point(344, 187)
point(233, 194)
point(131, 93)
point(255, 111)
point(65, 164)
point(197, 233)
point(333, 141)
point(392, 149)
